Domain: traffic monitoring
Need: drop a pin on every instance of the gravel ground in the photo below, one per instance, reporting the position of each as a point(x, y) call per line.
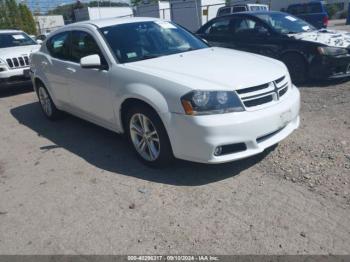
point(70, 187)
point(318, 155)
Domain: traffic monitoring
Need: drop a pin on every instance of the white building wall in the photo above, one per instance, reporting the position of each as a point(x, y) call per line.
point(93, 13)
point(164, 10)
point(48, 23)
point(210, 9)
point(108, 12)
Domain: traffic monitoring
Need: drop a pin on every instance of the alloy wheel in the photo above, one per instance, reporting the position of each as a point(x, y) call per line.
point(144, 137)
point(45, 101)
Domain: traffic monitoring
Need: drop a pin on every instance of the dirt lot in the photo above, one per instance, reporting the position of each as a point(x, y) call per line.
point(70, 187)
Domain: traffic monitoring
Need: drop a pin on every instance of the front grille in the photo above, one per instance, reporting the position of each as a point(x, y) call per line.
point(18, 62)
point(263, 94)
point(259, 101)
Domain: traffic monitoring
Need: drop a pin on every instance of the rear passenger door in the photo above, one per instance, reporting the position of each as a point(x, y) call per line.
point(54, 66)
point(218, 33)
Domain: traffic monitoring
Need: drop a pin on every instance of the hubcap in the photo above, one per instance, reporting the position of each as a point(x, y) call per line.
point(45, 101)
point(144, 137)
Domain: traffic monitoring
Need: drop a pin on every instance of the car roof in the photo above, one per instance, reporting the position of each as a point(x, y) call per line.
point(10, 31)
point(252, 13)
point(115, 21)
point(308, 3)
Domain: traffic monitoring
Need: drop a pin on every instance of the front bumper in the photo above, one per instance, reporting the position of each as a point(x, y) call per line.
point(330, 67)
point(14, 76)
point(195, 138)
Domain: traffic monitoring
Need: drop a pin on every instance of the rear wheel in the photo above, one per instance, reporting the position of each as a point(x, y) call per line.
point(48, 107)
point(297, 67)
point(148, 136)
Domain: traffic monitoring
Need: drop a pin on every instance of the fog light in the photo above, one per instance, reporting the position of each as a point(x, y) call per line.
point(218, 151)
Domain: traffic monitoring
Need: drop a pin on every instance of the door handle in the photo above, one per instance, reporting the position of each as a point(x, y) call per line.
point(71, 69)
point(44, 63)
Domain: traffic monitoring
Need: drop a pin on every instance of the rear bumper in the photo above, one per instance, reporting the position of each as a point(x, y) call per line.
point(330, 67)
point(244, 134)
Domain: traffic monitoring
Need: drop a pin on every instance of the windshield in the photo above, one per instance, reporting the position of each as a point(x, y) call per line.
point(15, 39)
point(145, 40)
point(285, 23)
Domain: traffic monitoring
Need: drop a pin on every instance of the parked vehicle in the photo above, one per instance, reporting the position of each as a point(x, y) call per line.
point(307, 52)
point(15, 48)
point(41, 37)
point(313, 12)
point(163, 87)
point(226, 10)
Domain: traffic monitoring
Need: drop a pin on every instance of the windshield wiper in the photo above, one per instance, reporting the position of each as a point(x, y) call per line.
point(149, 56)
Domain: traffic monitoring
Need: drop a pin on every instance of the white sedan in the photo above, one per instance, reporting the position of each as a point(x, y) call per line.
point(167, 90)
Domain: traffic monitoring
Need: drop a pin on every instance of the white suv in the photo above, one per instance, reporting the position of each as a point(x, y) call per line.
point(167, 90)
point(15, 48)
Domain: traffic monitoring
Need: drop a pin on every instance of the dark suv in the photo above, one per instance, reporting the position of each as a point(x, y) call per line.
point(314, 12)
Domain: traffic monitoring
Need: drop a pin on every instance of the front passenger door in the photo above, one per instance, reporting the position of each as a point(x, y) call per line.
point(253, 36)
point(91, 94)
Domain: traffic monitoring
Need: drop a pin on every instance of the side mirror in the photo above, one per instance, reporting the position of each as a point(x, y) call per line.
point(38, 41)
point(91, 61)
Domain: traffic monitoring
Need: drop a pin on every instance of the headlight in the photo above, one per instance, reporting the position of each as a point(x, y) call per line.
point(332, 51)
point(211, 102)
point(2, 62)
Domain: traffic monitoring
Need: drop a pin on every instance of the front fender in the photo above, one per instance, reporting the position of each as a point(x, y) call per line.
point(145, 93)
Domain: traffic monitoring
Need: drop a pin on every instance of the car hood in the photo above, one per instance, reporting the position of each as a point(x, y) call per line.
point(17, 51)
point(327, 37)
point(213, 69)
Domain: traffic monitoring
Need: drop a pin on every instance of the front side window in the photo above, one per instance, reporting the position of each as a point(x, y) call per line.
point(58, 46)
point(15, 39)
point(145, 40)
point(83, 44)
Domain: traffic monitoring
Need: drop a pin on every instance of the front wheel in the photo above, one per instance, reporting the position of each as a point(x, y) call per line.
point(48, 107)
point(148, 137)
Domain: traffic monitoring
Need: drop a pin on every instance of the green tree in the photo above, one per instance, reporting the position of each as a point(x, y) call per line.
point(28, 23)
point(13, 14)
point(4, 17)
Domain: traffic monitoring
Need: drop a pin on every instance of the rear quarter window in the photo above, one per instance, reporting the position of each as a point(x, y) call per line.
point(224, 11)
point(236, 9)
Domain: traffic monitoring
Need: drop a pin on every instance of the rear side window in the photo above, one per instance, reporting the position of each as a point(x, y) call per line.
point(237, 9)
point(314, 8)
point(305, 9)
point(295, 9)
point(58, 46)
point(219, 27)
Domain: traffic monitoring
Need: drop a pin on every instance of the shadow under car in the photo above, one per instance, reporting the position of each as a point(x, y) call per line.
point(111, 152)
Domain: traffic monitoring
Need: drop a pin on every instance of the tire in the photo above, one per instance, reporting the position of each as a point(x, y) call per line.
point(148, 137)
point(297, 67)
point(47, 105)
